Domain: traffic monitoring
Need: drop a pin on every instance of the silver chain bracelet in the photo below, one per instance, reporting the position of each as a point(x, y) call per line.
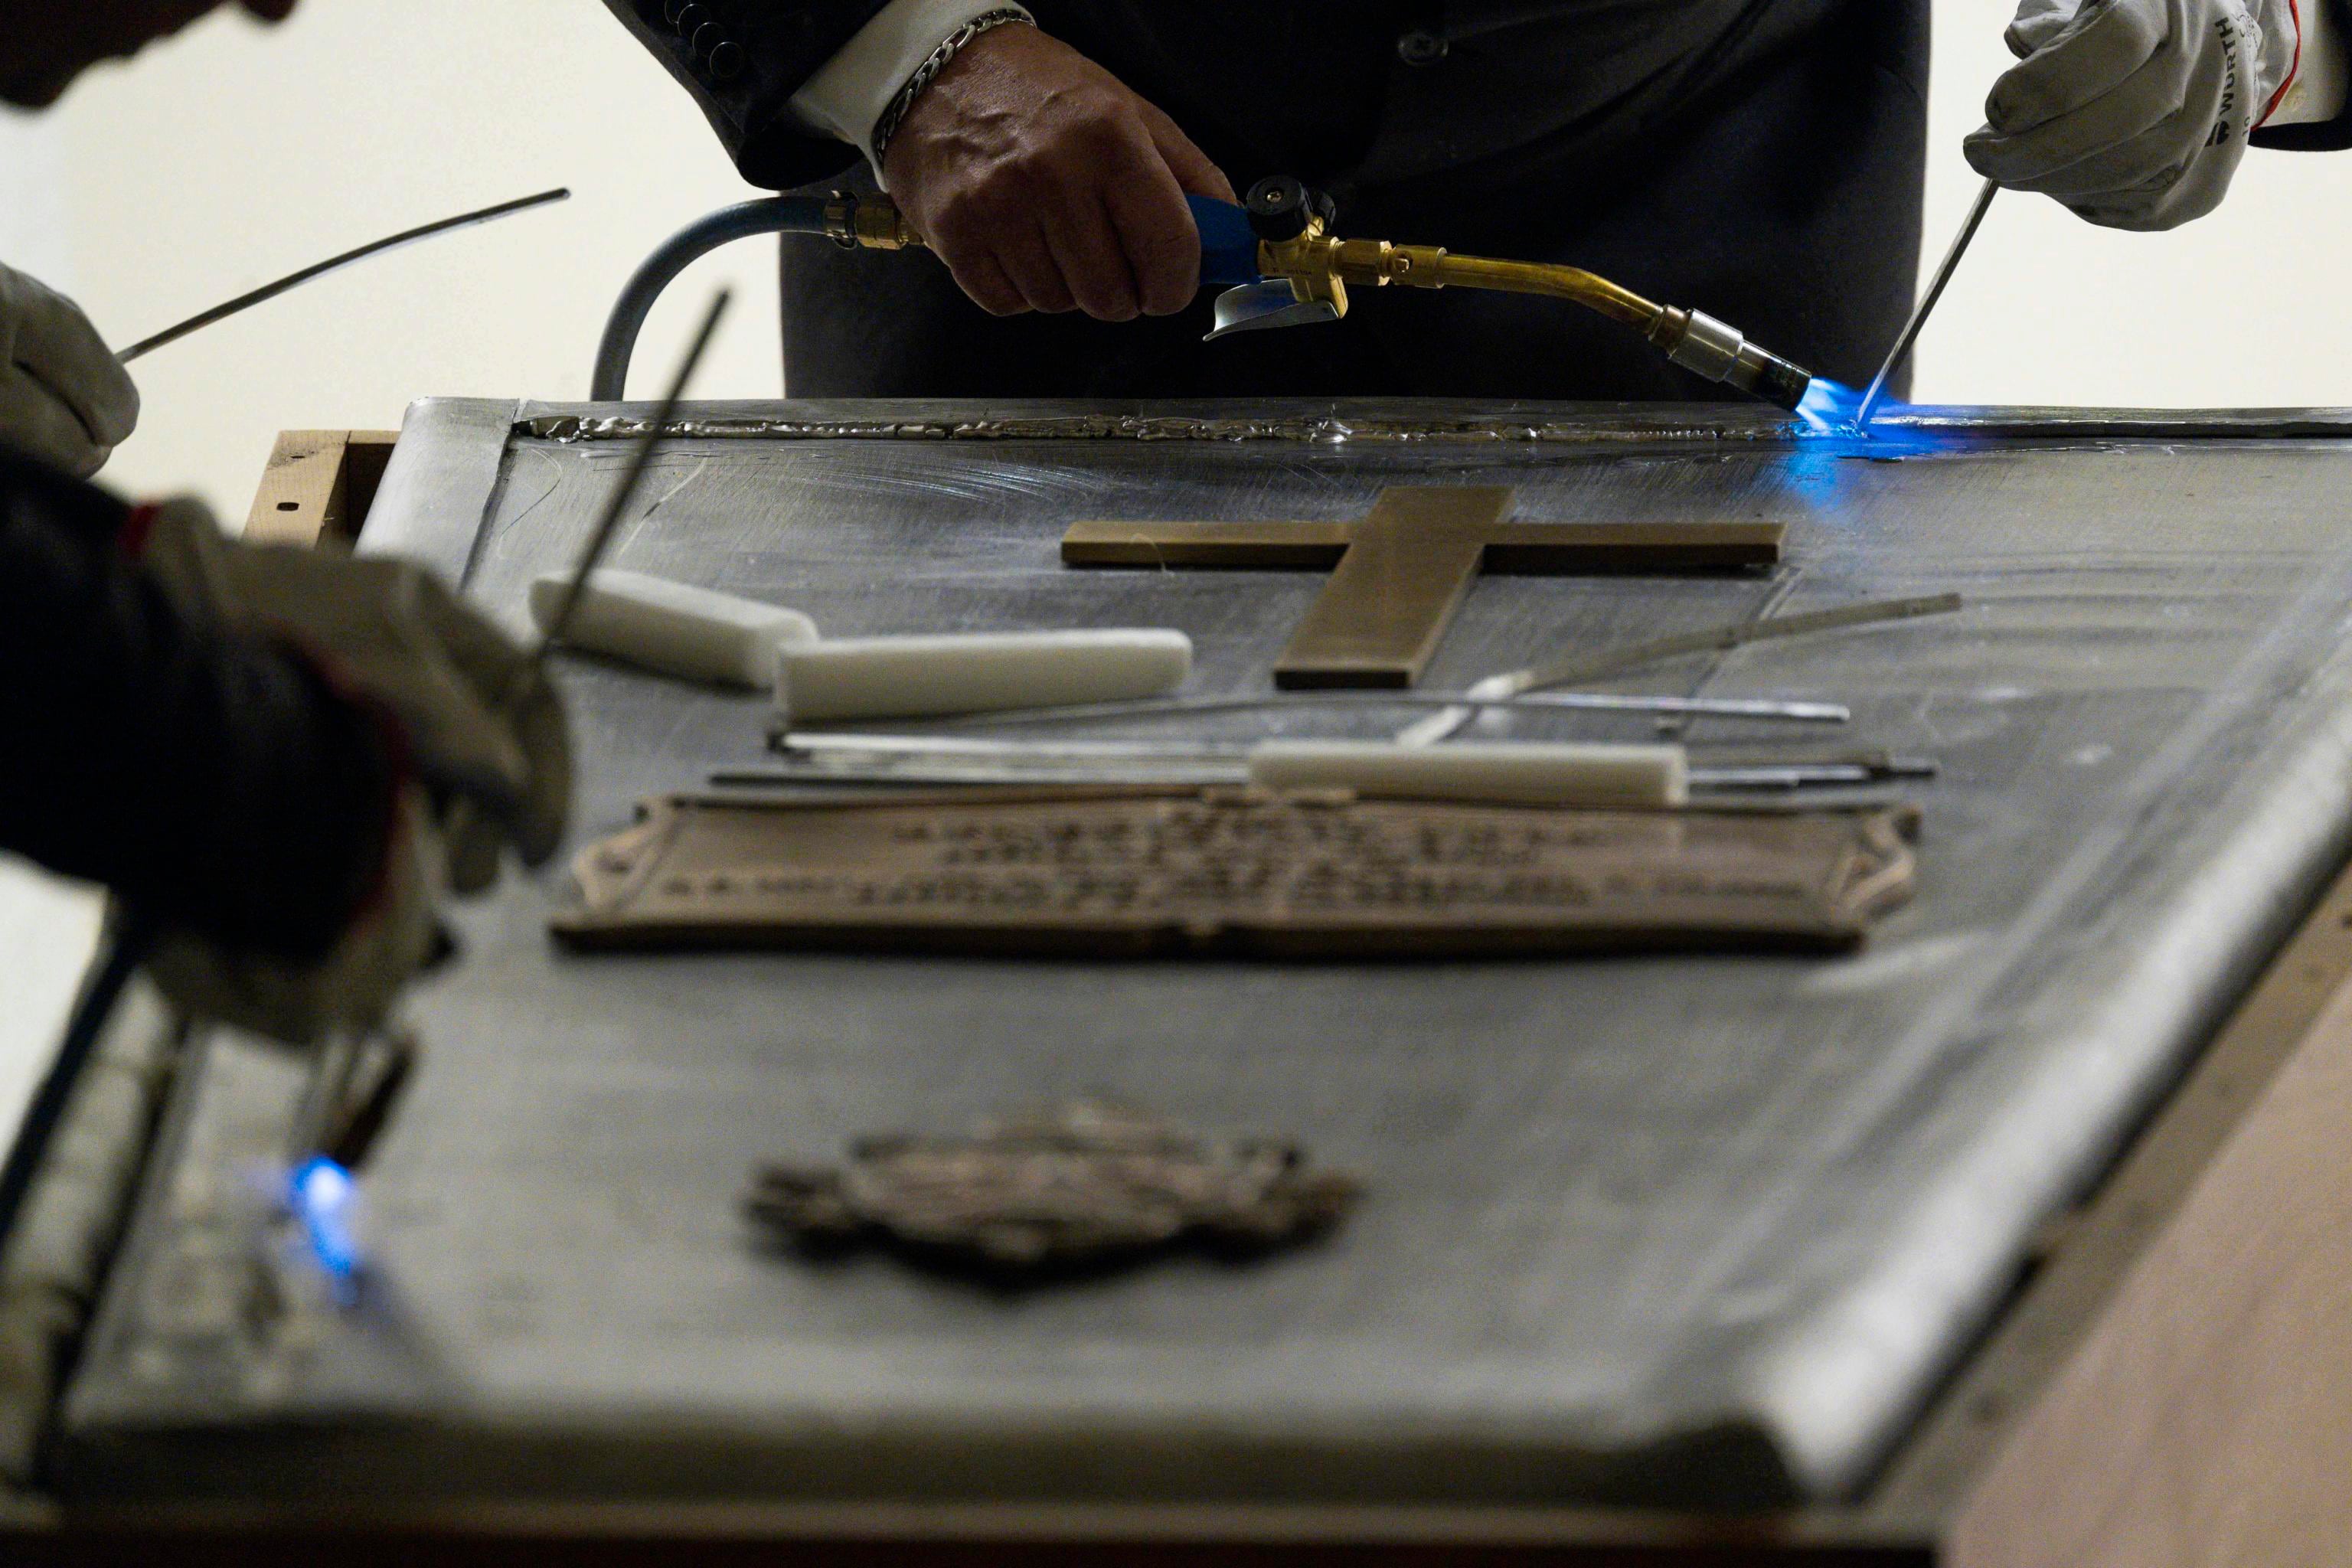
point(933, 63)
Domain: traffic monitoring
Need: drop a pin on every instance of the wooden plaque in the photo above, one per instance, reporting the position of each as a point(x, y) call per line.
point(1232, 873)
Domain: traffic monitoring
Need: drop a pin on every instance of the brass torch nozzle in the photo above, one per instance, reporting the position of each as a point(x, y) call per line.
point(1697, 341)
point(1295, 244)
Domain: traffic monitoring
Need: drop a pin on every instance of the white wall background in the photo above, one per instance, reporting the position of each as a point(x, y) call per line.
point(231, 155)
point(2244, 308)
point(235, 154)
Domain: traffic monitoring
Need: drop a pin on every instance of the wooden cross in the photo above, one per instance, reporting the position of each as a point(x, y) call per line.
point(1398, 576)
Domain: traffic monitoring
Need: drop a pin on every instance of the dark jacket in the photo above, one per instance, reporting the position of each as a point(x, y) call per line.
point(1542, 66)
point(214, 781)
point(1426, 86)
point(1761, 160)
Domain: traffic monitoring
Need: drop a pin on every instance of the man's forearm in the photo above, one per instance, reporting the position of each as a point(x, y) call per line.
point(870, 78)
point(1037, 177)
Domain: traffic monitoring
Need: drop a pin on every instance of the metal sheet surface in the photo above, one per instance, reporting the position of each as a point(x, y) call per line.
point(1685, 1229)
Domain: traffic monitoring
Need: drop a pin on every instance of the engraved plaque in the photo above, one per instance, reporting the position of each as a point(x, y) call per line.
point(1232, 873)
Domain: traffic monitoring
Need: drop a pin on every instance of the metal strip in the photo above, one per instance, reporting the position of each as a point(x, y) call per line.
point(1576, 670)
point(1410, 421)
point(1791, 709)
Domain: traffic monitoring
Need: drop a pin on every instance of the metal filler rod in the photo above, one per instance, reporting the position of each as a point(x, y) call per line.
point(338, 1062)
point(601, 538)
point(1926, 305)
point(134, 933)
point(294, 280)
point(533, 673)
point(1803, 710)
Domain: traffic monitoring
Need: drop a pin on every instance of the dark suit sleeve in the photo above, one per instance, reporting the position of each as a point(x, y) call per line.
point(214, 780)
point(2320, 136)
point(2324, 135)
point(743, 59)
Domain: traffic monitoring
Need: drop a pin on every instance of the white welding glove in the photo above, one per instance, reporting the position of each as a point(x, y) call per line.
point(2134, 113)
point(479, 726)
point(394, 934)
point(64, 397)
point(485, 751)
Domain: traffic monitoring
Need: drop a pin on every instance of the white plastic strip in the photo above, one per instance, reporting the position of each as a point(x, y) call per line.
point(672, 627)
point(1519, 773)
point(878, 677)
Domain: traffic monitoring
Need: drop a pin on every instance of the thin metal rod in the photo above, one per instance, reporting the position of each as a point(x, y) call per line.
point(640, 461)
point(976, 772)
point(823, 750)
point(1635, 656)
point(330, 1085)
point(291, 281)
point(1792, 710)
point(1044, 767)
point(869, 745)
point(1722, 639)
point(1926, 305)
point(1817, 773)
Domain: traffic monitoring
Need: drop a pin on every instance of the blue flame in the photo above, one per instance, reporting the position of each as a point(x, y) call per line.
point(1831, 411)
point(1829, 407)
point(321, 1193)
point(1832, 449)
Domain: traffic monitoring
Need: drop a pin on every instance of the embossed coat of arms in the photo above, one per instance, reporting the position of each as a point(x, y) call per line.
point(1083, 1187)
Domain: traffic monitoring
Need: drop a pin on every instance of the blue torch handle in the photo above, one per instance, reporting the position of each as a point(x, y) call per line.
point(1228, 244)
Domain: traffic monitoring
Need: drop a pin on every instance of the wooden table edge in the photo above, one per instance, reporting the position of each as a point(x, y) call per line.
point(317, 486)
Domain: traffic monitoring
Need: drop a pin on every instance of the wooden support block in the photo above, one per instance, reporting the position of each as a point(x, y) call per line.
point(2206, 1418)
point(1398, 576)
point(317, 486)
point(2035, 1451)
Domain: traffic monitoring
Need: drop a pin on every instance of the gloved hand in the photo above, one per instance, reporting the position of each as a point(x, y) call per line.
point(2134, 113)
point(63, 395)
point(395, 932)
point(483, 737)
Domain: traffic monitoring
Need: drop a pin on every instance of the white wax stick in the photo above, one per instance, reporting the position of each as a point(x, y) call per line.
point(1521, 772)
point(673, 627)
point(880, 677)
